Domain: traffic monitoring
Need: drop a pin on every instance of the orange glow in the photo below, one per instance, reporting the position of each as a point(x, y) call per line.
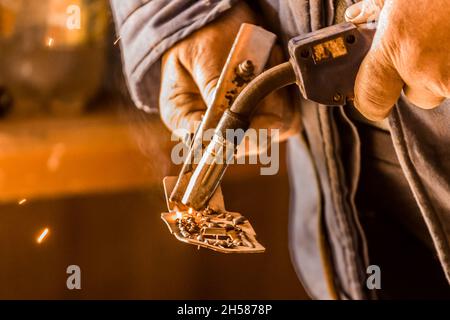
point(42, 236)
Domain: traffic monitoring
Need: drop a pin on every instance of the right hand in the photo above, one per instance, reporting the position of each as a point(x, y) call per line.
point(191, 70)
point(410, 52)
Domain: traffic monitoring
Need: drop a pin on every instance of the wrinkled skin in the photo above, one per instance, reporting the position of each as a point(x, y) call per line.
point(191, 69)
point(411, 51)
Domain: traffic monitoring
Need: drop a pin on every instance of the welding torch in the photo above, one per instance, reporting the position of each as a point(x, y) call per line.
point(323, 64)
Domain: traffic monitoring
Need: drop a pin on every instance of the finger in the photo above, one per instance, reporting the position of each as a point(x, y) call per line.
point(423, 97)
point(354, 11)
point(204, 61)
point(364, 12)
point(378, 85)
point(181, 104)
point(206, 74)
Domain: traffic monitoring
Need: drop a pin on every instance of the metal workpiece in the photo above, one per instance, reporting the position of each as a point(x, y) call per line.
point(220, 235)
point(216, 229)
point(327, 61)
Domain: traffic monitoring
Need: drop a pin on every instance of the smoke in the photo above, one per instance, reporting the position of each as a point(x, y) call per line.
point(146, 130)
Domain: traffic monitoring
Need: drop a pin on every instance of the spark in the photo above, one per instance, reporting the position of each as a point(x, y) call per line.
point(42, 235)
point(49, 42)
point(117, 41)
point(22, 201)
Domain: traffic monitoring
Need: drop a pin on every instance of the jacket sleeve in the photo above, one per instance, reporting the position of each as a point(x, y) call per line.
point(147, 28)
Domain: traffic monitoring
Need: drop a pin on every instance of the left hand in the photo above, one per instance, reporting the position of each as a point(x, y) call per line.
point(410, 52)
point(190, 71)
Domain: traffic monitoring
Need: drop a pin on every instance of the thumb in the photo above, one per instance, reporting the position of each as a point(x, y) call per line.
point(378, 85)
point(364, 11)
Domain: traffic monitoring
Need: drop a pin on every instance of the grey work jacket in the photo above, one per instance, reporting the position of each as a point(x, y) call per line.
point(326, 241)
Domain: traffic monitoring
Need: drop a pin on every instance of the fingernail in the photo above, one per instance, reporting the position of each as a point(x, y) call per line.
point(352, 12)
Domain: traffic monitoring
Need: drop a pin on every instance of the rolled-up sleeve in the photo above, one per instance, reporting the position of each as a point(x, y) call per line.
point(147, 28)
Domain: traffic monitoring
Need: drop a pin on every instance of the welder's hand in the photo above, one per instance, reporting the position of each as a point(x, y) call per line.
point(191, 69)
point(410, 52)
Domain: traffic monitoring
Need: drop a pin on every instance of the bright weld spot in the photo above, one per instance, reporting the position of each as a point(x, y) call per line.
point(179, 215)
point(42, 236)
point(22, 201)
point(190, 210)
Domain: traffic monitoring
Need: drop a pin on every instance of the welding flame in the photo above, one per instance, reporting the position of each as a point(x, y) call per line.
point(179, 215)
point(190, 210)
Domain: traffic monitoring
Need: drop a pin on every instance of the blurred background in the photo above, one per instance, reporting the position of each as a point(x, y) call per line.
point(81, 176)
